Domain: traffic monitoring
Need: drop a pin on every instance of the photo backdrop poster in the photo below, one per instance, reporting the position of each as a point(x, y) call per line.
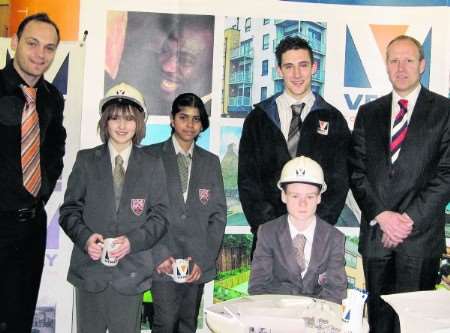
point(160, 54)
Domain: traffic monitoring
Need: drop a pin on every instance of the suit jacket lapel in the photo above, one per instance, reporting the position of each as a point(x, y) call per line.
point(132, 175)
point(416, 128)
point(320, 241)
point(287, 248)
point(384, 121)
point(104, 171)
point(171, 165)
point(196, 172)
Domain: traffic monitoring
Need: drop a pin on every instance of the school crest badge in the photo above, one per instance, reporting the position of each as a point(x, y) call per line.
point(323, 127)
point(203, 195)
point(137, 206)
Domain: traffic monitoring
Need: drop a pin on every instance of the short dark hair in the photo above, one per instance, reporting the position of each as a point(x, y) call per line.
point(412, 40)
point(40, 17)
point(122, 109)
point(190, 100)
point(292, 43)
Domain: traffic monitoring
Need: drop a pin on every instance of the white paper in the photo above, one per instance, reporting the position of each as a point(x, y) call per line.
point(422, 311)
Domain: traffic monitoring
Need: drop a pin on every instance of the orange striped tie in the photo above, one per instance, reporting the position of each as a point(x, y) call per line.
point(30, 155)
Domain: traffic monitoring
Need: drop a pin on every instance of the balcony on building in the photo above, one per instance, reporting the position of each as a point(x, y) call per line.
point(287, 28)
point(242, 52)
point(241, 77)
point(239, 106)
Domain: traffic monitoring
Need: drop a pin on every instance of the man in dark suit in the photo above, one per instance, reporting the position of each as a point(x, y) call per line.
point(299, 253)
point(400, 177)
point(33, 140)
point(289, 124)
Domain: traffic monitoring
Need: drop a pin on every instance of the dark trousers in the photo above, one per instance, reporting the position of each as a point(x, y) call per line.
point(395, 273)
point(108, 309)
point(176, 306)
point(22, 250)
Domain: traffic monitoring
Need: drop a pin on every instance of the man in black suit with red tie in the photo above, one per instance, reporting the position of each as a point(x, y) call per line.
point(400, 177)
point(33, 139)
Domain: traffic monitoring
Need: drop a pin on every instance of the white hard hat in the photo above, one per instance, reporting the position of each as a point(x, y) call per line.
point(123, 92)
point(303, 169)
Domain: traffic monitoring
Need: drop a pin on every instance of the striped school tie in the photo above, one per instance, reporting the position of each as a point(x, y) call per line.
point(299, 242)
point(184, 162)
point(399, 130)
point(118, 178)
point(294, 128)
point(30, 143)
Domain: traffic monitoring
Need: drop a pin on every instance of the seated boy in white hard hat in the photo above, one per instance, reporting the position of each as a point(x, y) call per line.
point(298, 253)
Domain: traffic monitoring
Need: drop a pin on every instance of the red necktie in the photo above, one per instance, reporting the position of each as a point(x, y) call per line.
point(399, 130)
point(30, 144)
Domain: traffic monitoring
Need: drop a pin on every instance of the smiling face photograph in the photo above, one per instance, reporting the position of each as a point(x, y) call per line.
point(163, 55)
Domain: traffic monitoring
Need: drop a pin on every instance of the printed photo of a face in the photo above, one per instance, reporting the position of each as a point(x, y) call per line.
point(162, 55)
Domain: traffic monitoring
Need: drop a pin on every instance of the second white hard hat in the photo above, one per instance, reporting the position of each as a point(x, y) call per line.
point(303, 169)
point(124, 92)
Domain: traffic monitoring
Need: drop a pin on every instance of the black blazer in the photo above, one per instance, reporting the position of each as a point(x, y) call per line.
point(419, 181)
point(49, 105)
point(263, 152)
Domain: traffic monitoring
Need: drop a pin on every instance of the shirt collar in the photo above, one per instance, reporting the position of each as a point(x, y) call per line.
point(411, 97)
point(308, 99)
point(124, 153)
point(308, 232)
point(178, 148)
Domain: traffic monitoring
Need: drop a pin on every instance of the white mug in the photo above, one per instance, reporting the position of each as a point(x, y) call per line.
point(108, 247)
point(180, 270)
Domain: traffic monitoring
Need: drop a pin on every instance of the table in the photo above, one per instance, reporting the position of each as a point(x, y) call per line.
point(276, 314)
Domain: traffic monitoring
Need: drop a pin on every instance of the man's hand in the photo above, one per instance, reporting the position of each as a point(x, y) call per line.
point(94, 246)
point(387, 242)
point(123, 247)
point(166, 266)
point(396, 227)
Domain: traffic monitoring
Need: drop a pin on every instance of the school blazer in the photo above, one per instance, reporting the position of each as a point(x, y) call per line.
point(89, 207)
point(195, 227)
point(275, 269)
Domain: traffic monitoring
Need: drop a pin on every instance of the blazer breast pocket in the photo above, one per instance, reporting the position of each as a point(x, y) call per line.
point(10, 111)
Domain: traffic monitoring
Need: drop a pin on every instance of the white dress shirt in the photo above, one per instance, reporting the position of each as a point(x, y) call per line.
point(309, 235)
point(412, 99)
point(124, 153)
point(284, 102)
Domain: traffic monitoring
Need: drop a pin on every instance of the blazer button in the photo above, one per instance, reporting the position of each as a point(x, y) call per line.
point(183, 216)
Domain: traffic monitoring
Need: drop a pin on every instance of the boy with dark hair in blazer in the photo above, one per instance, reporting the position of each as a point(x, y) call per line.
point(299, 253)
point(115, 191)
point(197, 218)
